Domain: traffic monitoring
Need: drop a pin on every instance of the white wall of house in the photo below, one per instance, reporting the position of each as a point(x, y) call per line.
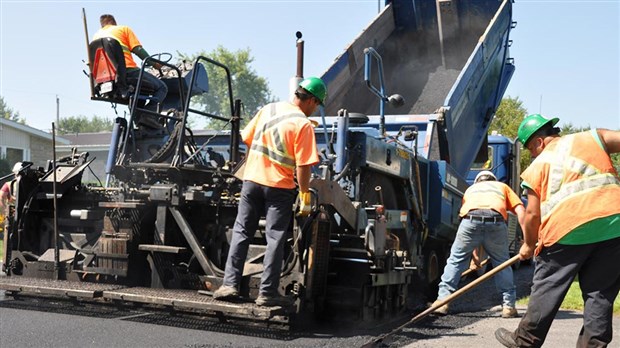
point(14, 144)
point(20, 142)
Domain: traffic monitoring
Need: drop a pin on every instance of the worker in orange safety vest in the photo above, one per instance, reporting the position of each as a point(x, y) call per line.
point(484, 213)
point(572, 227)
point(130, 44)
point(281, 143)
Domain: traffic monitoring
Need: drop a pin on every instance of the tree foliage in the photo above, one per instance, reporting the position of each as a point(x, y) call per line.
point(508, 117)
point(252, 89)
point(83, 124)
point(506, 122)
point(8, 113)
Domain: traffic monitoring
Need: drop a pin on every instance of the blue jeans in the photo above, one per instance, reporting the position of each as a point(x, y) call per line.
point(494, 238)
point(276, 204)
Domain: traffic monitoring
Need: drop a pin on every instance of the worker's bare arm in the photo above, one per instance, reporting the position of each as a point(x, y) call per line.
point(610, 139)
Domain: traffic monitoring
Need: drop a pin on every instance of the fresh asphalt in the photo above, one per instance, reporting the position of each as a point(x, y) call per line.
point(29, 322)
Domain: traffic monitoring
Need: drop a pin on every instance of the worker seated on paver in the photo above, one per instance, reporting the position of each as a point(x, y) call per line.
point(126, 68)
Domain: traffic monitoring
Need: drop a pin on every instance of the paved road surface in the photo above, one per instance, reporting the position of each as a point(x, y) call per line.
point(480, 334)
point(51, 323)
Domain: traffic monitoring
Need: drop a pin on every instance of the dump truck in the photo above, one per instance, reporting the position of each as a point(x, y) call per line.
point(386, 192)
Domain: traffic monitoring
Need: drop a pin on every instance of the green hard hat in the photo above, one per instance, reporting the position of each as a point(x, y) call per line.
point(315, 86)
point(531, 125)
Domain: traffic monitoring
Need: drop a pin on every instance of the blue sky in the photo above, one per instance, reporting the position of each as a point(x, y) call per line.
point(567, 53)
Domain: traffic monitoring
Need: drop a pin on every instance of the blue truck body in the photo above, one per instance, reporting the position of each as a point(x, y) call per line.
point(452, 87)
point(502, 158)
point(422, 161)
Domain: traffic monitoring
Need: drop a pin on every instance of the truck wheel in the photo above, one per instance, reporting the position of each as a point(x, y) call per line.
point(433, 264)
point(432, 272)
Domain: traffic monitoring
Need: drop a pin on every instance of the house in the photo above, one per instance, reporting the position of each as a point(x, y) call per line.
point(97, 145)
point(19, 142)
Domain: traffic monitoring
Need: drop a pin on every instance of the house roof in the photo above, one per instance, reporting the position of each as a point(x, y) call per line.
point(89, 141)
point(101, 138)
point(30, 130)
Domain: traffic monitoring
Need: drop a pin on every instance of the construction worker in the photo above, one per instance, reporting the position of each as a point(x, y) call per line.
point(6, 199)
point(281, 143)
point(484, 215)
point(130, 44)
point(573, 213)
point(6, 192)
point(5, 195)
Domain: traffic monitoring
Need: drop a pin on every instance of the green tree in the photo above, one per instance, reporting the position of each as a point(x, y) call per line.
point(252, 89)
point(615, 158)
point(506, 122)
point(83, 124)
point(8, 113)
point(508, 117)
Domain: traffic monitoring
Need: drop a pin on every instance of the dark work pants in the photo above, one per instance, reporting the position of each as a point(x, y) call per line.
point(160, 89)
point(598, 268)
point(276, 205)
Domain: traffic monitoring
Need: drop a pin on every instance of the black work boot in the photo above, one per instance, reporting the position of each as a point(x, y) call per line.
point(505, 337)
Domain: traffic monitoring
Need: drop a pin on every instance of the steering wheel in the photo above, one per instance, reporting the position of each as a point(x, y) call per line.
point(160, 56)
point(164, 57)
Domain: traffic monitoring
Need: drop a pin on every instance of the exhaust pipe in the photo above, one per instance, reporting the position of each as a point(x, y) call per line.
point(294, 81)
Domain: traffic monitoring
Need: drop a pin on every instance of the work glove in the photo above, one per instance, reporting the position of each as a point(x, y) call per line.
point(305, 203)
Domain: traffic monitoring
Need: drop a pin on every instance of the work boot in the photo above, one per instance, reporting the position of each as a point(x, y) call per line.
point(443, 310)
point(505, 337)
point(509, 312)
point(226, 293)
point(273, 301)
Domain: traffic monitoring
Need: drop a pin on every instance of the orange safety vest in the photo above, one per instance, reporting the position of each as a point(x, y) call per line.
point(490, 195)
point(576, 183)
point(279, 137)
point(125, 36)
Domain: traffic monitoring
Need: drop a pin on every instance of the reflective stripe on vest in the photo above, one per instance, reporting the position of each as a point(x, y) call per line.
point(487, 187)
point(277, 152)
point(561, 161)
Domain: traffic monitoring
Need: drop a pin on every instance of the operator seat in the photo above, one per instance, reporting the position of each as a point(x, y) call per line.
point(109, 74)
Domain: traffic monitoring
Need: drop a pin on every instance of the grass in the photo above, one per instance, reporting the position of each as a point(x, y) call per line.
point(573, 300)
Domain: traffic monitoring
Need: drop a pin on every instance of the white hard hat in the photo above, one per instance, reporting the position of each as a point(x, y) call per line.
point(17, 167)
point(485, 173)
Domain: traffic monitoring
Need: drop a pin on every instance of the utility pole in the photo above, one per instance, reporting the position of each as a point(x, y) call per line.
point(57, 109)
point(540, 105)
